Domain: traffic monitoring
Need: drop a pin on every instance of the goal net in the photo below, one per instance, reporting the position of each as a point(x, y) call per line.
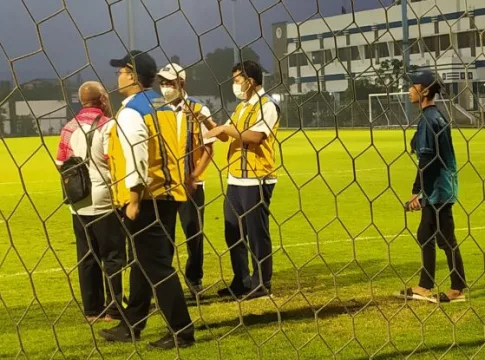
point(390, 111)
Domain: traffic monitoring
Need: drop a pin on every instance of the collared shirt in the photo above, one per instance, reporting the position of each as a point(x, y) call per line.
point(180, 116)
point(73, 143)
point(133, 134)
point(265, 123)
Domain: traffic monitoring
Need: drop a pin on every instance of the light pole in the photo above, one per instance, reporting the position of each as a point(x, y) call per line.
point(131, 29)
point(234, 29)
point(405, 56)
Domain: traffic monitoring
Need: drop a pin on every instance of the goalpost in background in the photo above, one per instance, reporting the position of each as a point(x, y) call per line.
point(388, 110)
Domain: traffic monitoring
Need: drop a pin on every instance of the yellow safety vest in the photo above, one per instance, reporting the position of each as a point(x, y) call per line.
point(165, 153)
point(249, 161)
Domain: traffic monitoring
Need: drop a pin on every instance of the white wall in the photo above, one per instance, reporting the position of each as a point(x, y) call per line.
point(49, 112)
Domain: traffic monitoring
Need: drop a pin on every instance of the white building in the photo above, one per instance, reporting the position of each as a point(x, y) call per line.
point(443, 34)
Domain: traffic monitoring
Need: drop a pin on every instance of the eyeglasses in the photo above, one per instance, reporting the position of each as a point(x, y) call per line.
point(119, 72)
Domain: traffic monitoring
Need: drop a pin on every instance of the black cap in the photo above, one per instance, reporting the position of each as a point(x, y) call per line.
point(140, 62)
point(424, 77)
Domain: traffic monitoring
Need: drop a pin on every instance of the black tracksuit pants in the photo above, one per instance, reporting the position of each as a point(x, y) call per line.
point(437, 226)
point(191, 214)
point(100, 245)
point(246, 219)
point(153, 273)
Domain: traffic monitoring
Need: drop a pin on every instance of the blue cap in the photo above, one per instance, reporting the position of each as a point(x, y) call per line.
point(424, 77)
point(140, 62)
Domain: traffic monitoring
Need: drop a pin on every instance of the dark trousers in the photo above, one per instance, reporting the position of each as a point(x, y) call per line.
point(152, 272)
point(191, 215)
point(437, 226)
point(100, 245)
point(246, 217)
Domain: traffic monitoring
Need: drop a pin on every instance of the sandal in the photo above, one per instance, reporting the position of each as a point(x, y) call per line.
point(443, 298)
point(410, 295)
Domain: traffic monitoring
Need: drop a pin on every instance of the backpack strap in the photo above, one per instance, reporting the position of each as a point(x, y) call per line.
point(90, 136)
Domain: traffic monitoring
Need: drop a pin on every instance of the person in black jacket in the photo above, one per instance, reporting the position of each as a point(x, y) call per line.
point(434, 192)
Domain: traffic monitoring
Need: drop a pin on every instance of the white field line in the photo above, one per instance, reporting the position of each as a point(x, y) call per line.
point(323, 242)
point(280, 174)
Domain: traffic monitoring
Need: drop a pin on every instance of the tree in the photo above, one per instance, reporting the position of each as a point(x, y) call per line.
point(26, 125)
point(361, 89)
point(390, 74)
point(213, 75)
point(3, 119)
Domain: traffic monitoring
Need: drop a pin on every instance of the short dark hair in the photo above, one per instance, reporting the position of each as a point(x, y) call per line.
point(250, 69)
point(146, 81)
point(434, 89)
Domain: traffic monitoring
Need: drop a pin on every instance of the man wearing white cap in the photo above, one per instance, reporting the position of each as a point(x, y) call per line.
point(199, 153)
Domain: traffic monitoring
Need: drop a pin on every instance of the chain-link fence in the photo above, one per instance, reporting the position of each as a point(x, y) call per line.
point(339, 267)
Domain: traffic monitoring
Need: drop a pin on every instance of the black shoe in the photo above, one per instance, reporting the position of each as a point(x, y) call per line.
point(195, 289)
point(227, 292)
point(255, 294)
point(119, 333)
point(168, 342)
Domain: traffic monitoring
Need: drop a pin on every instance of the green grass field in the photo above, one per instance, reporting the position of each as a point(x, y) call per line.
point(342, 243)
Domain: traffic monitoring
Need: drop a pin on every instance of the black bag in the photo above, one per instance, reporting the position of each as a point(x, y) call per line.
point(76, 183)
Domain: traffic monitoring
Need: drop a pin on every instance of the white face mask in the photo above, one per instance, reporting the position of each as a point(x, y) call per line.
point(237, 90)
point(169, 93)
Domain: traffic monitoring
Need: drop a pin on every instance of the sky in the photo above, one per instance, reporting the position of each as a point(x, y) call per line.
point(44, 39)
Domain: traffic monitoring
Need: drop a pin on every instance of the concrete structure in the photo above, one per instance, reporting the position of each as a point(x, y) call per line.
point(444, 35)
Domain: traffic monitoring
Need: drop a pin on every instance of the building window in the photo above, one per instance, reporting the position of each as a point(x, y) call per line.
point(383, 50)
point(317, 57)
point(414, 46)
point(464, 40)
point(398, 48)
point(343, 54)
point(429, 43)
point(298, 59)
point(321, 57)
point(444, 42)
point(480, 38)
point(355, 54)
point(369, 51)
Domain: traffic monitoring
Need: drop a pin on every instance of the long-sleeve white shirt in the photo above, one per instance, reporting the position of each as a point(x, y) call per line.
point(133, 134)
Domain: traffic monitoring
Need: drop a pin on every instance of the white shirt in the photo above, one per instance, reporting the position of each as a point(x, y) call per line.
point(265, 123)
point(133, 134)
point(74, 134)
point(180, 116)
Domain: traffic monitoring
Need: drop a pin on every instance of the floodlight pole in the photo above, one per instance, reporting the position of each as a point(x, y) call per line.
point(405, 56)
point(131, 28)
point(234, 29)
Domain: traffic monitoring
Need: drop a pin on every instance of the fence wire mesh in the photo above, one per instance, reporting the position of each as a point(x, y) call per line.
point(342, 244)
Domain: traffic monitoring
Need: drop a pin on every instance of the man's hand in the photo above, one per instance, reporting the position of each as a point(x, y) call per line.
point(414, 203)
point(196, 115)
point(191, 183)
point(132, 210)
point(216, 132)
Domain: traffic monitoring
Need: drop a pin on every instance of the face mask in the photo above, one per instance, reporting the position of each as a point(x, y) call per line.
point(170, 94)
point(237, 90)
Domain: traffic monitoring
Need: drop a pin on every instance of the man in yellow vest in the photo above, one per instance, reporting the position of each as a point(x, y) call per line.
point(146, 173)
point(198, 155)
point(252, 178)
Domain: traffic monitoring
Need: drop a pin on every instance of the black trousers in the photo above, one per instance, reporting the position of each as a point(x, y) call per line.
point(437, 226)
point(191, 215)
point(100, 245)
point(153, 273)
point(246, 217)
